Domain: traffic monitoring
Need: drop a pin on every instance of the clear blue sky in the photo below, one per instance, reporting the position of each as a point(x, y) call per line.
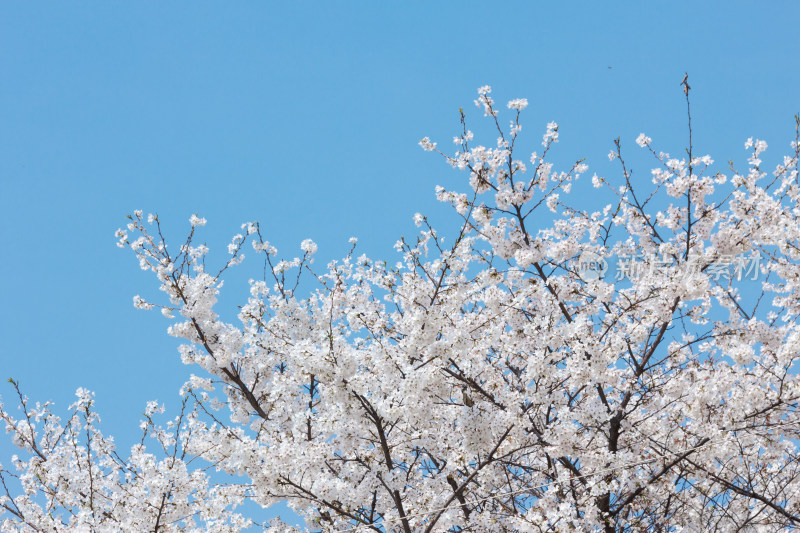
point(306, 117)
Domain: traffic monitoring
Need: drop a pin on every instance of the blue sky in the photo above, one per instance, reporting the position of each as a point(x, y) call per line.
point(306, 117)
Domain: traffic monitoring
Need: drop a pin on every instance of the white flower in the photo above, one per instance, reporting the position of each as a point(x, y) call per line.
point(427, 145)
point(597, 181)
point(643, 140)
point(551, 136)
point(552, 202)
point(519, 104)
point(308, 246)
point(197, 221)
point(758, 146)
point(418, 219)
point(140, 303)
point(485, 101)
point(122, 237)
point(611, 155)
point(153, 408)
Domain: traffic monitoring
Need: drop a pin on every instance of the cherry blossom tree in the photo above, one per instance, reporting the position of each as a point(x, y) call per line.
point(497, 378)
point(74, 480)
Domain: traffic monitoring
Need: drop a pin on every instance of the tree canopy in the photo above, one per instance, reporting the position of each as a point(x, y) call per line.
point(498, 378)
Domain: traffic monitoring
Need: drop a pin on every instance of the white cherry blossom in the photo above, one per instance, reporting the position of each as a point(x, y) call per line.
point(479, 381)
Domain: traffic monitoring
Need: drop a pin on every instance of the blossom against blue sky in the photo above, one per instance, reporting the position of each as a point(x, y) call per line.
point(307, 117)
